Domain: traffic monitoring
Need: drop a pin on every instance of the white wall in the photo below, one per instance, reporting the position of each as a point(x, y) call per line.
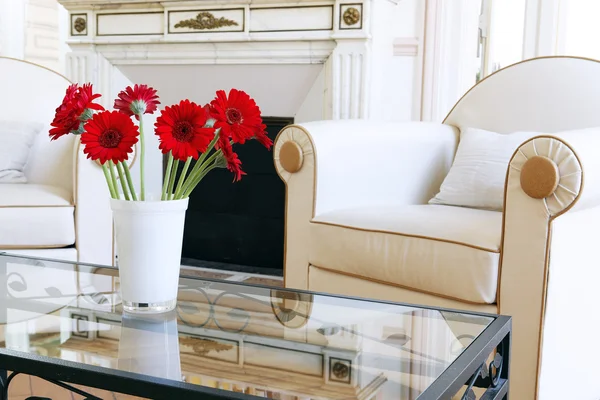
point(31, 30)
point(450, 55)
point(581, 29)
point(12, 27)
point(313, 107)
point(42, 45)
point(396, 79)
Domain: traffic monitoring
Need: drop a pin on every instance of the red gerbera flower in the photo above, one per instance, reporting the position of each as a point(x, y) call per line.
point(181, 130)
point(234, 164)
point(62, 123)
point(109, 135)
point(77, 107)
point(262, 137)
point(71, 90)
point(85, 98)
point(141, 99)
point(238, 116)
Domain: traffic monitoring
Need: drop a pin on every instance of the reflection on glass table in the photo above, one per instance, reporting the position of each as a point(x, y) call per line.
point(244, 339)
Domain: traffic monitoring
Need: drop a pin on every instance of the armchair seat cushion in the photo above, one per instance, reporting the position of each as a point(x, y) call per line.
point(449, 251)
point(36, 216)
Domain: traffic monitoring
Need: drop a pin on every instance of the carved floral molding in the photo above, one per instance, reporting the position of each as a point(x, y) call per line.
point(205, 20)
point(351, 16)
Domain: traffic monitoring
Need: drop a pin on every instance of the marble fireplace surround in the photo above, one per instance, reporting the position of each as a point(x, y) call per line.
point(327, 41)
point(307, 59)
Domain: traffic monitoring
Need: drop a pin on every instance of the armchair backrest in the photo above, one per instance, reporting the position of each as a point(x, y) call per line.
point(29, 92)
point(546, 94)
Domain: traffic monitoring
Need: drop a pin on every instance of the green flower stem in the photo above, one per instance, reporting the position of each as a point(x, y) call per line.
point(200, 163)
point(186, 166)
point(167, 176)
point(196, 176)
point(192, 177)
point(198, 168)
point(172, 180)
point(142, 158)
point(122, 180)
point(195, 183)
point(129, 181)
point(111, 189)
point(207, 166)
point(113, 178)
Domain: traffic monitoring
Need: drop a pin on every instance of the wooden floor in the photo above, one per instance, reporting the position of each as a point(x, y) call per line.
point(24, 386)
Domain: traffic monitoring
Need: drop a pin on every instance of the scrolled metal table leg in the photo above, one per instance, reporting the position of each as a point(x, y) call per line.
point(3, 385)
point(469, 394)
point(86, 395)
point(5, 382)
point(496, 365)
point(493, 375)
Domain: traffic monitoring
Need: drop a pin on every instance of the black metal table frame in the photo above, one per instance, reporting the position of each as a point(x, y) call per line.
point(470, 367)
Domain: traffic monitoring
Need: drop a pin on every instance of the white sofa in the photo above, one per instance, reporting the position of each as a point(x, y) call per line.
point(63, 210)
point(358, 222)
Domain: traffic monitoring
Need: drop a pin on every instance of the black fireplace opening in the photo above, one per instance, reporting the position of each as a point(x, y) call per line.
point(239, 226)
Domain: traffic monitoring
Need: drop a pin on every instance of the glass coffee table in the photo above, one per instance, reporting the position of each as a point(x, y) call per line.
point(63, 322)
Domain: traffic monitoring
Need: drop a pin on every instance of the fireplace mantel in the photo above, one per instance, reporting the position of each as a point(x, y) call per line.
point(104, 34)
point(303, 59)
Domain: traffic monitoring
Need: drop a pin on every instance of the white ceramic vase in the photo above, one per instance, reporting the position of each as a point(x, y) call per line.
point(149, 240)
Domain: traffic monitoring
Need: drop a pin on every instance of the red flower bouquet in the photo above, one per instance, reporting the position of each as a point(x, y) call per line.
point(187, 131)
point(149, 234)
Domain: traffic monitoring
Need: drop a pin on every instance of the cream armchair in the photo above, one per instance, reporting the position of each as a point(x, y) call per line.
point(63, 210)
point(358, 222)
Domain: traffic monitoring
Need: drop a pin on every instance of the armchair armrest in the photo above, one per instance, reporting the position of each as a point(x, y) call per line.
point(330, 165)
point(93, 216)
point(355, 163)
point(551, 183)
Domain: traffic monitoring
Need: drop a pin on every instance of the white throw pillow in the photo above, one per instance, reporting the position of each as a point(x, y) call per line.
point(476, 178)
point(16, 139)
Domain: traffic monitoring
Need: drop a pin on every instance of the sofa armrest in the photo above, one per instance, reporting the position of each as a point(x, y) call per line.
point(570, 320)
point(93, 216)
point(331, 165)
point(549, 180)
point(356, 163)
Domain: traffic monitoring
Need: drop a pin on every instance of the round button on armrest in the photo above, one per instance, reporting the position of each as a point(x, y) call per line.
point(291, 157)
point(539, 177)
